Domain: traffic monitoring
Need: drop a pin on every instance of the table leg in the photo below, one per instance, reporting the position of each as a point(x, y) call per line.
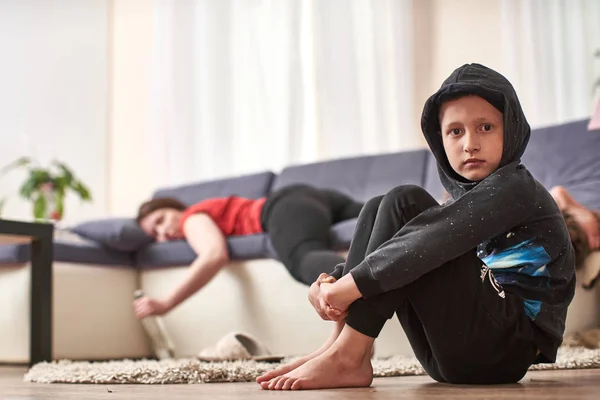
point(41, 300)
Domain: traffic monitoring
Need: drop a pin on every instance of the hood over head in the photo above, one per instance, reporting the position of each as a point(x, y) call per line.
point(475, 79)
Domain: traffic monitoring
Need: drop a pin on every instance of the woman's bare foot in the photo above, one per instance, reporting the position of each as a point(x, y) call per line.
point(586, 219)
point(267, 376)
point(589, 223)
point(347, 363)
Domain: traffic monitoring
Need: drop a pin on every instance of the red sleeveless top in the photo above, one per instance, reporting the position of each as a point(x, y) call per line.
point(235, 216)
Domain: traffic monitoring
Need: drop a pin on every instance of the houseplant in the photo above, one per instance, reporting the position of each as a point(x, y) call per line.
point(46, 187)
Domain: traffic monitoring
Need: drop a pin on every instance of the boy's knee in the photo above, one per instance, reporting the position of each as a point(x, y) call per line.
point(372, 205)
point(409, 195)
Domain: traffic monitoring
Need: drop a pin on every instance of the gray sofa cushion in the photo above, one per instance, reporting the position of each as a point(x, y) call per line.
point(249, 247)
point(251, 186)
point(179, 252)
point(360, 177)
point(80, 253)
point(567, 155)
point(121, 234)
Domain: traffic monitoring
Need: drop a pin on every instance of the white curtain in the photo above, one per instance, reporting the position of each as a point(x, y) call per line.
point(549, 48)
point(251, 85)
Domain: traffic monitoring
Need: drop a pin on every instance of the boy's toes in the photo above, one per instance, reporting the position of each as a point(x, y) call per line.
point(273, 382)
point(288, 384)
point(296, 385)
point(280, 383)
point(267, 376)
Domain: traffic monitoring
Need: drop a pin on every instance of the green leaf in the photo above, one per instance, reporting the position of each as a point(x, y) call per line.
point(67, 174)
point(39, 206)
point(28, 187)
point(60, 204)
point(41, 175)
point(20, 162)
point(81, 190)
point(60, 184)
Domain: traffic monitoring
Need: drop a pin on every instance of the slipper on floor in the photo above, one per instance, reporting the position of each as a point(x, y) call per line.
point(238, 346)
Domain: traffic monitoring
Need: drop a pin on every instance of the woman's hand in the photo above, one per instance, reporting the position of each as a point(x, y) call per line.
point(315, 296)
point(146, 306)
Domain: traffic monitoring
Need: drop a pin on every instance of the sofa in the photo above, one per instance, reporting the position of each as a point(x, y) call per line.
point(99, 264)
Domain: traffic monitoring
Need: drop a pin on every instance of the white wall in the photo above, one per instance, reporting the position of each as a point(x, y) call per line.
point(131, 62)
point(450, 33)
point(466, 31)
point(53, 94)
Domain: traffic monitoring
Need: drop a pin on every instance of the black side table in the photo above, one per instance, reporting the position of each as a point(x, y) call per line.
point(40, 237)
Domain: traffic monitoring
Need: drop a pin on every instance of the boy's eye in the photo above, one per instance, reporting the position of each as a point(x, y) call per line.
point(454, 131)
point(486, 127)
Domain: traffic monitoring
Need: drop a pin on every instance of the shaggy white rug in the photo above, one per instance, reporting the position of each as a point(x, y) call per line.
point(194, 371)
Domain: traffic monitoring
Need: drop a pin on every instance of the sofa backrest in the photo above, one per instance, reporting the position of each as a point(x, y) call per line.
point(359, 177)
point(251, 186)
point(567, 155)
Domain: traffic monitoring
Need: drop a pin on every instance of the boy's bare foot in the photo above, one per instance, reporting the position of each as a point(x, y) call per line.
point(346, 363)
point(267, 376)
point(332, 369)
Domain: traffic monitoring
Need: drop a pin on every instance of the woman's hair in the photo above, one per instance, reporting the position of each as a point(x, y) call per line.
point(156, 204)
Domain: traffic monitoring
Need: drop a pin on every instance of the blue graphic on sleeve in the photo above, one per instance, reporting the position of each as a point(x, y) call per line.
point(526, 258)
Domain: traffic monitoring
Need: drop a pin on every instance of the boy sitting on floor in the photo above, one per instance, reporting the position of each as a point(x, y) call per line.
point(481, 284)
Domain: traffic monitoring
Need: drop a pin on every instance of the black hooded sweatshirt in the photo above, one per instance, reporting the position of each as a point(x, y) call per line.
point(509, 217)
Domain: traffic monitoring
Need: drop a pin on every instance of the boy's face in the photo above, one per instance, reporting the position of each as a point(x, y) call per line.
point(473, 136)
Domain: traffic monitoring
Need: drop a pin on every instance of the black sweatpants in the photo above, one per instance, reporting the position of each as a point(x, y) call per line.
point(297, 219)
point(460, 323)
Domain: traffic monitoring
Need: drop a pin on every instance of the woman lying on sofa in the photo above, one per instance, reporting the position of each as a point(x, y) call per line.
point(297, 219)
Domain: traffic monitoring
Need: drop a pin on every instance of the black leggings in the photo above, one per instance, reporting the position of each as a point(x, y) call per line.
point(460, 323)
point(298, 219)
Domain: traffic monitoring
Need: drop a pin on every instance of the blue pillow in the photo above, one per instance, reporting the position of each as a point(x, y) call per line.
point(122, 234)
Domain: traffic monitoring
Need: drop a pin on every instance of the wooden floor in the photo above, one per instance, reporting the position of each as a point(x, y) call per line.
point(573, 384)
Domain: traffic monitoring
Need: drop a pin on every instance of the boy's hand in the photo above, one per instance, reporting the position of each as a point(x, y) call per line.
point(339, 296)
point(315, 296)
point(145, 306)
